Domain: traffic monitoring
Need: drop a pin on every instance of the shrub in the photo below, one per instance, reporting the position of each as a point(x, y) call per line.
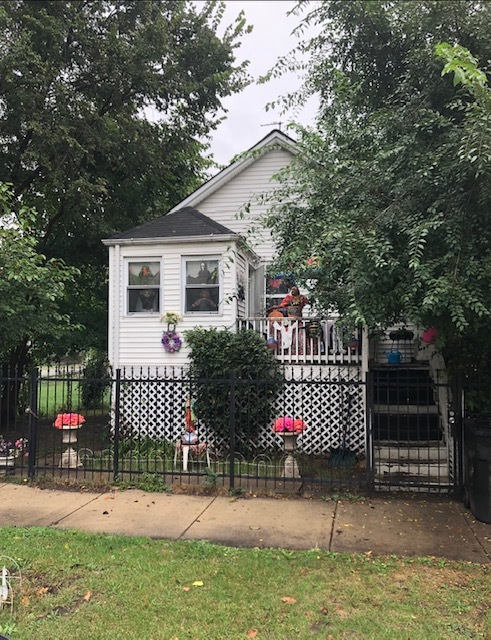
point(219, 358)
point(96, 377)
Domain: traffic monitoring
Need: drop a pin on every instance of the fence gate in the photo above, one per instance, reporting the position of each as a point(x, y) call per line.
point(412, 434)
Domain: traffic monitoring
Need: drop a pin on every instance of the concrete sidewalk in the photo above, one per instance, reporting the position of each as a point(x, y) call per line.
point(404, 526)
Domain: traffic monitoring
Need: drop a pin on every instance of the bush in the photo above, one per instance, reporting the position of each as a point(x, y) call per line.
point(220, 357)
point(96, 377)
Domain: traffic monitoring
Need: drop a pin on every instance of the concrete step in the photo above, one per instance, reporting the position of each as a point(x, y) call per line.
point(407, 470)
point(406, 409)
point(413, 487)
point(411, 465)
point(404, 453)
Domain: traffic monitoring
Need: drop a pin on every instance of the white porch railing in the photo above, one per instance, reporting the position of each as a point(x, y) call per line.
point(308, 340)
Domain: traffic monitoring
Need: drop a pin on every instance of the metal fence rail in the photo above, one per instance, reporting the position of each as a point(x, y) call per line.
point(134, 429)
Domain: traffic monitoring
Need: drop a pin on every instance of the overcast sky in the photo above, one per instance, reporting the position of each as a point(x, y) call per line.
point(247, 120)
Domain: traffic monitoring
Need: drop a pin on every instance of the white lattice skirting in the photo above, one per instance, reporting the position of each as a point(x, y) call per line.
point(331, 401)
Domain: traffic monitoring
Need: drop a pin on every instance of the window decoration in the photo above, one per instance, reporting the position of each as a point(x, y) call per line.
point(143, 287)
point(202, 293)
point(171, 341)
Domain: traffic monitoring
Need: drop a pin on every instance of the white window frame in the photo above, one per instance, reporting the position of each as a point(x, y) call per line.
point(200, 286)
point(152, 261)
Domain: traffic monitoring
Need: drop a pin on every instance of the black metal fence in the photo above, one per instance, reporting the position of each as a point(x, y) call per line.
point(146, 428)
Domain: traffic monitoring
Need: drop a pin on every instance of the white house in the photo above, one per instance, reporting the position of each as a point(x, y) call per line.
point(194, 262)
point(197, 249)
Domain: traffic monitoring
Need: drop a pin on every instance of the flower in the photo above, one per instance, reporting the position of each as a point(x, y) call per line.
point(68, 420)
point(289, 424)
point(429, 336)
point(9, 448)
point(171, 317)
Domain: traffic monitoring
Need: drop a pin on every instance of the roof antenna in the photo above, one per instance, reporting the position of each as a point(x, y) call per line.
point(271, 124)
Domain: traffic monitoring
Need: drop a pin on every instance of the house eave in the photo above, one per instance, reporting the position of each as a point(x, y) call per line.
point(128, 242)
point(112, 242)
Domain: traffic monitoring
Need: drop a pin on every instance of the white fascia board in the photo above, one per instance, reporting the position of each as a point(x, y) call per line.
point(174, 240)
point(276, 138)
point(183, 240)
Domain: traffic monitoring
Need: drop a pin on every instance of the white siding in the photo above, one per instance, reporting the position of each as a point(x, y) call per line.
point(136, 340)
point(225, 204)
point(139, 335)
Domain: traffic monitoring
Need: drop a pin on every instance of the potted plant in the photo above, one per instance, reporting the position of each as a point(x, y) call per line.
point(353, 343)
point(171, 318)
point(401, 334)
point(69, 423)
point(289, 429)
point(9, 451)
point(294, 302)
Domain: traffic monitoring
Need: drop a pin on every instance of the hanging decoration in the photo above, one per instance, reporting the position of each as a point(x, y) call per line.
point(171, 341)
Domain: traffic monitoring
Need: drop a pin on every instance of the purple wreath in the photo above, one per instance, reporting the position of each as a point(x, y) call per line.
point(171, 341)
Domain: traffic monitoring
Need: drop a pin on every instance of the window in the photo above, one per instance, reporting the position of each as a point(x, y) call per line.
point(277, 286)
point(143, 293)
point(202, 286)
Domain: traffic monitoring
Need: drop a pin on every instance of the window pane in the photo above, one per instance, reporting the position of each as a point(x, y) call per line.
point(143, 286)
point(201, 272)
point(279, 284)
point(143, 300)
point(143, 273)
point(202, 300)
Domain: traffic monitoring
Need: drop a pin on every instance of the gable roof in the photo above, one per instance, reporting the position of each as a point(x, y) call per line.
point(274, 139)
point(186, 223)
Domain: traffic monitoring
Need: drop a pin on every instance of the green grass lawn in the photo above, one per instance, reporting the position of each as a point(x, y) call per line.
point(58, 396)
point(98, 587)
point(163, 461)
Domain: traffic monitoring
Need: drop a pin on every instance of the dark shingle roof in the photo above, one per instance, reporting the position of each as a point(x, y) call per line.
point(183, 223)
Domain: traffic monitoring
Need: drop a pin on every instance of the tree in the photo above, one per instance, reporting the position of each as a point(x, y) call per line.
point(32, 289)
point(76, 79)
point(388, 197)
point(31, 286)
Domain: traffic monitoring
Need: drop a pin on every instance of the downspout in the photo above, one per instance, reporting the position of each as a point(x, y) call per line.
point(115, 301)
point(235, 307)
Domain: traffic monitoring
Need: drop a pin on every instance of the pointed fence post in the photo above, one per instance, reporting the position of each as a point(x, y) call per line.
point(117, 398)
point(369, 444)
point(232, 430)
point(456, 430)
point(33, 423)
